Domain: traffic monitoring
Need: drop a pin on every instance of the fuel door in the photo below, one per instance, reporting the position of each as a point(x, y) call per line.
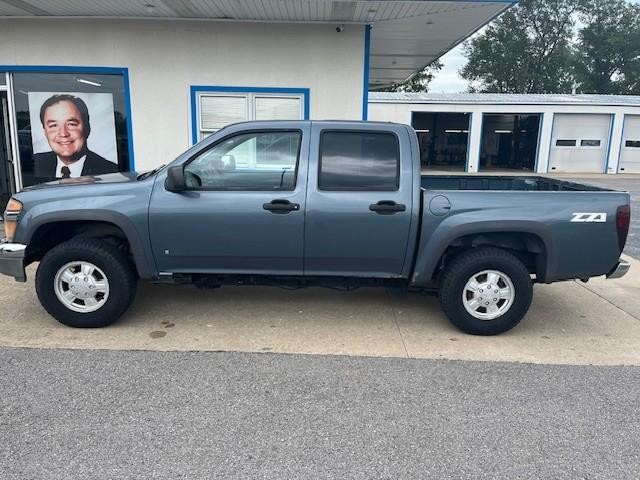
point(439, 205)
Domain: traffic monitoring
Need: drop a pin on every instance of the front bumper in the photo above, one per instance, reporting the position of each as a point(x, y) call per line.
point(620, 270)
point(12, 260)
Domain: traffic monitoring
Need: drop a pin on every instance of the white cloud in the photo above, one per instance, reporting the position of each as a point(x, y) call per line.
point(448, 80)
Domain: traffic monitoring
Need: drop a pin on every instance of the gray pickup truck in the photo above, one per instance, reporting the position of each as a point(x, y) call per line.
point(292, 204)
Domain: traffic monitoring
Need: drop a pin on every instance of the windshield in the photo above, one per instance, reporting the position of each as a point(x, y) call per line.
point(144, 175)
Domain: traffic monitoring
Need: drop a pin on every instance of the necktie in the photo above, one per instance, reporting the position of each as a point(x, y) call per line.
point(66, 173)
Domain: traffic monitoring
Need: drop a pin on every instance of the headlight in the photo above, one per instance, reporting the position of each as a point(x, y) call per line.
point(11, 214)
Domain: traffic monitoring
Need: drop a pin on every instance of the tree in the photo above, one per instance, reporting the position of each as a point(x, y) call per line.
point(607, 54)
point(527, 50)
point(419, 82)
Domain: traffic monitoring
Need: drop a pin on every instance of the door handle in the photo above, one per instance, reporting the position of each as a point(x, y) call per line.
point(280, 206)
point(387, 207)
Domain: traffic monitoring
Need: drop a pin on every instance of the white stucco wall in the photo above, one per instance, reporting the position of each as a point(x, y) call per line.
point(165, 58)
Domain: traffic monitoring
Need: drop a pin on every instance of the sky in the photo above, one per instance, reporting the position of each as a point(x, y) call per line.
point(447, 80)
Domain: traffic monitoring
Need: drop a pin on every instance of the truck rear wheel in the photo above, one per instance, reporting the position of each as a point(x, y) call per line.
point(485, 291)
point(86, 283)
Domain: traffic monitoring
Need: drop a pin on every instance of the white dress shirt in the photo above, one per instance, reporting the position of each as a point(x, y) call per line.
point(75, 167)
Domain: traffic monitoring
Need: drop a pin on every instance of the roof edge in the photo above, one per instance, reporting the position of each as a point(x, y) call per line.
point(504, 99)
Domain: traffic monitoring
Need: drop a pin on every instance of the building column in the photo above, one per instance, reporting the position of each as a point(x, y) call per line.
point(615, 142)
point(544, 142)
point(475, 140)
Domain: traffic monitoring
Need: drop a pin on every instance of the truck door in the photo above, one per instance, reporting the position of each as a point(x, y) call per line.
point(359, 200)
point(243, 212)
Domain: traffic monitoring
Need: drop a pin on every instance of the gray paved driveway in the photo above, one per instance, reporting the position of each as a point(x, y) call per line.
point(109, 414)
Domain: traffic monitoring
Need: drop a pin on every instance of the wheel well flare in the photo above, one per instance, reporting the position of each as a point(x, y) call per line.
point(529, 248)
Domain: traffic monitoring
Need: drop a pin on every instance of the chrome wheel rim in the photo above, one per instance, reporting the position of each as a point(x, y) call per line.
point(81, 287)
point(488, 294)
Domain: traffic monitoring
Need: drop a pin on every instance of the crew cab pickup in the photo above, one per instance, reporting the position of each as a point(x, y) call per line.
point(300, 203)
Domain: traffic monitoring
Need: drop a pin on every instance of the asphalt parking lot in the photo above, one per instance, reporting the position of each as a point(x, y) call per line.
point(96, 414)
point(269, 383)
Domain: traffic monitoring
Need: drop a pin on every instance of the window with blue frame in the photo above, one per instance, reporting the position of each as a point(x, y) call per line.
point(216, 107)
point(70, 125)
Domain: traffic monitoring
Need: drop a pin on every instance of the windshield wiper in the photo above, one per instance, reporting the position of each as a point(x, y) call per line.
point(144, 175)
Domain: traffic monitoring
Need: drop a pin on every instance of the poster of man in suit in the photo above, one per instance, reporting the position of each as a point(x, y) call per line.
point(73, 134)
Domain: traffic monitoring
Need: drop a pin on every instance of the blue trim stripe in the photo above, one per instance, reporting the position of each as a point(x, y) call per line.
point(127, 106)
point(624, 124)
point(470, 125)
point(215, 88)
point(609, 144)
point(90, 70)
point(194, 115)
point(553, 131)
point(62, 69)
point(196, 89)
point(540, 122)
point(365, 75)
point(512, 2)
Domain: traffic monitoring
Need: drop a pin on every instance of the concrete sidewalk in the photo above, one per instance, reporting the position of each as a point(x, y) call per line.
point(569, 323)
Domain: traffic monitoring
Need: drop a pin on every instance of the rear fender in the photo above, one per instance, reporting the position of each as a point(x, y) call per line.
point(430, 253)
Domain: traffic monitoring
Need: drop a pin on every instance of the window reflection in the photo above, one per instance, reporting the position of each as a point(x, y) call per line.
point(359, 161)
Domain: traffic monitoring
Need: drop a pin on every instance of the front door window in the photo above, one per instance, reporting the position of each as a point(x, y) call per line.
point(257, 161)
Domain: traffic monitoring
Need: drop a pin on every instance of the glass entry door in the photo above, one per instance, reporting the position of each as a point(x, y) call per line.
point(6, 160)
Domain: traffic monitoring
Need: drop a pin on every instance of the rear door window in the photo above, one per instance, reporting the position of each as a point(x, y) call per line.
point(353, 160)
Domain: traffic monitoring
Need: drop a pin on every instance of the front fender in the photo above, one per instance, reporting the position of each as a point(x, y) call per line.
point(144, 264)
point(125, 205)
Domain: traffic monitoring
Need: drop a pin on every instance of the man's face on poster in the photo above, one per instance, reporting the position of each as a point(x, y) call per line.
point(64, 129)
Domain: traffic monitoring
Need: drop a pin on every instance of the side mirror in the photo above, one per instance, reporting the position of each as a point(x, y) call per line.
point(175, 179)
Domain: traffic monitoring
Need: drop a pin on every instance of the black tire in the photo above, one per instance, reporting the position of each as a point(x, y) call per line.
point(112, 261)
point(462, 268)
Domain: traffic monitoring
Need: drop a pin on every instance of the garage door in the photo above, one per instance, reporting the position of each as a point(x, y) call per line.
point(630, 151)
point(579, 143)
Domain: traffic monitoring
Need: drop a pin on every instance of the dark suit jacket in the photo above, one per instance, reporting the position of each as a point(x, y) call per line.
point(45, 165)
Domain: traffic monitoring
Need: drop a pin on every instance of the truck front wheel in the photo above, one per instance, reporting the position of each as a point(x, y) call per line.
point(485, 291)
point(86, 283)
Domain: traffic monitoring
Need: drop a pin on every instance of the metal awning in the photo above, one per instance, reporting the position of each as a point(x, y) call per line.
point(405, 35)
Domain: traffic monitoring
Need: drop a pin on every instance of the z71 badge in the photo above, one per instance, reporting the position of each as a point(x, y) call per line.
point(589, 217)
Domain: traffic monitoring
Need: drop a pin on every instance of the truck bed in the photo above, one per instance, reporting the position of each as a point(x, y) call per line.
point(492, 182)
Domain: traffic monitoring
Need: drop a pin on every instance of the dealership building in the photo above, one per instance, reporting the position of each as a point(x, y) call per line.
point(157, 76)
point(524, 133)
